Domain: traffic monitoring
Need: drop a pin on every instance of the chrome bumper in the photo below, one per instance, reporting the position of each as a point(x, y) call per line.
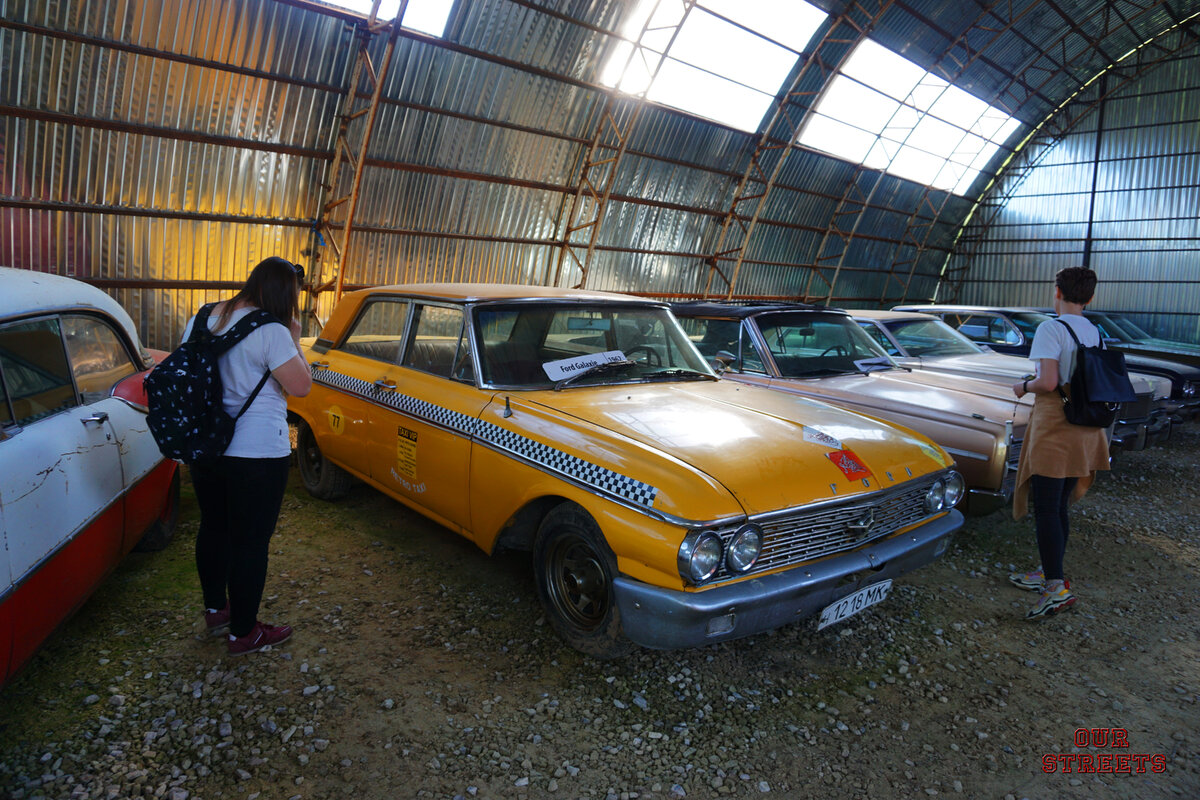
point(667, 619)
point(1133, 436)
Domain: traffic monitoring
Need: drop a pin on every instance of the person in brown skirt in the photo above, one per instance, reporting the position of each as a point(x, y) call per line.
point(1058, 460)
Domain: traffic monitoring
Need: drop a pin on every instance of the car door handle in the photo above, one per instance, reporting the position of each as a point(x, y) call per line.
point(384, 383)
point(98, 417)
point(320, 365)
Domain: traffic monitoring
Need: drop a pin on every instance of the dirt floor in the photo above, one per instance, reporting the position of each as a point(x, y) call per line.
point(421, 667)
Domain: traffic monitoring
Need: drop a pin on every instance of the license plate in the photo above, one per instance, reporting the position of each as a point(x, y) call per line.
point(851, 604)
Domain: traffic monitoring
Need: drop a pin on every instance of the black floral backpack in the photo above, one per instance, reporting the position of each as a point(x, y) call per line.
point(1099, 384)
point(184, 392)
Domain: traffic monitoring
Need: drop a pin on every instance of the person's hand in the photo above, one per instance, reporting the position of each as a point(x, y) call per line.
point(294, 326)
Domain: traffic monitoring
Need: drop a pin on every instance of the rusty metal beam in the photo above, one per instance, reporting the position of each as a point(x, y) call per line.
point(339, 233)
point(754, 188)
point(603, 157)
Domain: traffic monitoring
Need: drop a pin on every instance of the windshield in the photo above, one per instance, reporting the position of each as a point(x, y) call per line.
point(542, 345)
point(810, 345)
point(1130, 329)
point(1108, 326)
point(930, 337)
point(1027, 322)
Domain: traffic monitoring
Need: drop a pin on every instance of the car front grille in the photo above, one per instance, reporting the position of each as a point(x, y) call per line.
point(825, 531)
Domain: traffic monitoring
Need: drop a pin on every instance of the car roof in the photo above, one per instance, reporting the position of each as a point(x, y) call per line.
point(479, 292)
point(871, 313)
point(27, 292)
point(954, 307)
point(707, 308)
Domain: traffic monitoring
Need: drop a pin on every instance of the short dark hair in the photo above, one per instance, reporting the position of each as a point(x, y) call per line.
point(1078, 284)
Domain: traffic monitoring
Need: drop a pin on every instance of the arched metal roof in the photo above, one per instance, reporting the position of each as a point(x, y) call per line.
point(158, 149)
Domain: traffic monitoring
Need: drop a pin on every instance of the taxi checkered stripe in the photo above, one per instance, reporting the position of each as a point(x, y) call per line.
point(583, 471)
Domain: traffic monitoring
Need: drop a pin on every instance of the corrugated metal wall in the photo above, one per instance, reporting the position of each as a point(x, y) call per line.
point(1120, 193)
point(162, 142)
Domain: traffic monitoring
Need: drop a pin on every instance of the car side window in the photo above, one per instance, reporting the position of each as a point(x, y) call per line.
point(750, 357)
point(98, 356)
point(880, 338)
point(37, 377)
point(439, 343)
point(976, 328)
point(379, 331)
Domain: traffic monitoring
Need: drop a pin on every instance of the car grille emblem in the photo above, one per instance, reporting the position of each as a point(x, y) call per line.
point(861, 528)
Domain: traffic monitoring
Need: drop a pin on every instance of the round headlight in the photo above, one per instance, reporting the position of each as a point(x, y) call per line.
point(700, 556)
point(935, 498)
point(955, 488)
point(745, 549)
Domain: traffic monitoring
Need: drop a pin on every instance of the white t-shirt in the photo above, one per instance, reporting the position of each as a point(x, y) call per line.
point(261, 432)
point(1053, 341)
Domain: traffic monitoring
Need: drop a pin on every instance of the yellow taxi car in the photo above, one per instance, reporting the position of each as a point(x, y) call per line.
point(663, 506)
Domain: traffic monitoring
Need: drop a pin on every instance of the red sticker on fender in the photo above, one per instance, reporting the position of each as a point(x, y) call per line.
point(848, 463)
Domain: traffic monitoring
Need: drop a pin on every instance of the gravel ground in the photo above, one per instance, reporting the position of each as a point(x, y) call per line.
point(423, 668)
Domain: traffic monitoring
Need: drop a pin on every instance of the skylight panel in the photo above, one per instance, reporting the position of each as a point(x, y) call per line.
point(426, 16)
point(708, 95)
point(743, 57)
point(727, 60)
point(791, 24)
point(925, 129)
point(877, 66)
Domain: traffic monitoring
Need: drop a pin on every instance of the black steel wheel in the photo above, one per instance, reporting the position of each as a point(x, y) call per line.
point(323, 479)
point(574, 569)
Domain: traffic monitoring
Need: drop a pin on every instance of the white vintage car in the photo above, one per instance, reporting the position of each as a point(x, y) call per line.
point(81, 480)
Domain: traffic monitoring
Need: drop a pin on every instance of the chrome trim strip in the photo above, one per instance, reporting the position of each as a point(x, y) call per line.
point(965, 453)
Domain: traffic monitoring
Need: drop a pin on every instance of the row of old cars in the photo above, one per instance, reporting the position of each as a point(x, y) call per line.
point(681, 474)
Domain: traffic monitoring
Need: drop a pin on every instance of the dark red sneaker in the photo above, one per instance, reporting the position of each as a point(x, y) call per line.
point(217, 621)
point(260, 636)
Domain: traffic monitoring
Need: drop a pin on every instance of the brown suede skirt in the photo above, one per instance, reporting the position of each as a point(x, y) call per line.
point(1055, 448)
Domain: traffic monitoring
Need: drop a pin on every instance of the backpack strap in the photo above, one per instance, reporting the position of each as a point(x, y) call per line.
point(254, 394)
point(200, 323)
point(221, 344)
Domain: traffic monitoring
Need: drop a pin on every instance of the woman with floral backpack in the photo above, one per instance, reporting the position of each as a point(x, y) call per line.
point(240, 492)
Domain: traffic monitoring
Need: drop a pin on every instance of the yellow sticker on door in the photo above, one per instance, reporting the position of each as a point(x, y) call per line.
point(406, 452)
point(337, 420)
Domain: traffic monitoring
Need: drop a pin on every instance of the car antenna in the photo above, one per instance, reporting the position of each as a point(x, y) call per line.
point(507, 409)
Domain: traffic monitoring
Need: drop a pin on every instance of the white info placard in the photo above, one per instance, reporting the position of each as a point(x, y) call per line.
point(566, 367)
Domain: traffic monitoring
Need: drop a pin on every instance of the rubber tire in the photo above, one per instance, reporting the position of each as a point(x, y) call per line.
point(323, 480)
point(569, 553)
point(162, 530)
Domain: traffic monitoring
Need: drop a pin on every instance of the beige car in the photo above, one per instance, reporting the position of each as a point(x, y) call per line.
point(822, 354)
point(925, 342)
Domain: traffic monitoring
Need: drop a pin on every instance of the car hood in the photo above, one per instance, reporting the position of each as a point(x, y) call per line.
point(919, 394)
point(1162, 366)
point(768, 450)
point(1011, 369)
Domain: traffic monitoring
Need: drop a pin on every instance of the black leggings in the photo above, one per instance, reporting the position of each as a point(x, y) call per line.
point(1050, 497)
point(239, 501)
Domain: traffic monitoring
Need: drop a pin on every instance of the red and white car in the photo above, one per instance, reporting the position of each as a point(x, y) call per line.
point(81, 479)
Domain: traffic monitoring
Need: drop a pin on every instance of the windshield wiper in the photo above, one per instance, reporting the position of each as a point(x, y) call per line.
point(864, 366)
point(596, 369)
point(681, 372)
